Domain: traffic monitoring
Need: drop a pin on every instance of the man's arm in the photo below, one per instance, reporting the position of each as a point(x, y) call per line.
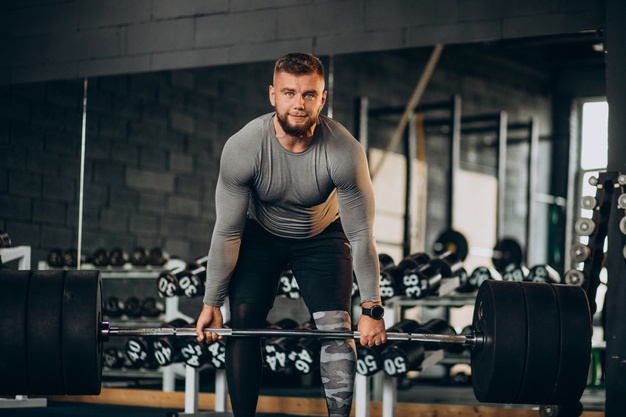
point(356, 206)
point(355, 194)
point(231, 205)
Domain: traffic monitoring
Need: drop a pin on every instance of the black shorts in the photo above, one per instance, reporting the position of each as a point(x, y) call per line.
point(322, 266)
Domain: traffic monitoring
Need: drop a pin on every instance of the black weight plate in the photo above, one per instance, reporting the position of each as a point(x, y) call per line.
point(304, 360)
point(13, 313)
point(368, 360)
point(113, 358)
point(194, 353)
point(507, 251)
point(43, 333)
point(451, 241)
point(387, 286)
point(217, 354)
point(56, 258)
point(137, 351)
point(82, 344)
point(542, 346)
point(402, 357)
point(575, 349)
point(498, 363)
point(385, 261)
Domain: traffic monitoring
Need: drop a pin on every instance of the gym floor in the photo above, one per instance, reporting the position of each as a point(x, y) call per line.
point(593, 400)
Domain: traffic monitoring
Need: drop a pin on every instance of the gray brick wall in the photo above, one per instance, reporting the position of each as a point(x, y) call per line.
point(86, 38)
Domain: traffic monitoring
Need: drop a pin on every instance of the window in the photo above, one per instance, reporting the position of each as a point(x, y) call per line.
point(593, 159)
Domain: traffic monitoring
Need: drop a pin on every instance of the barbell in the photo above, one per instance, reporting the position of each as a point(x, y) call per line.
point(530, 343)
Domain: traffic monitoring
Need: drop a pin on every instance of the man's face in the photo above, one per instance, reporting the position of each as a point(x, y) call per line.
point(298, 100)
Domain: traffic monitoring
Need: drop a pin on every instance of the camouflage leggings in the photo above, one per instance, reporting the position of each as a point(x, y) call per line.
point(337, 363)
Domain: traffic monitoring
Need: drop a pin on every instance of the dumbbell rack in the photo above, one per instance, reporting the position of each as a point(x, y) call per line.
point(389, 386)
point(167, 374)
point(21, 254)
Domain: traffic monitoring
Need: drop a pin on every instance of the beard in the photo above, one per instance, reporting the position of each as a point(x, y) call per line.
point(296, 131)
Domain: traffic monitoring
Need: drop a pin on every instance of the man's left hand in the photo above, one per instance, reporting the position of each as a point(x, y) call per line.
point(372, 331)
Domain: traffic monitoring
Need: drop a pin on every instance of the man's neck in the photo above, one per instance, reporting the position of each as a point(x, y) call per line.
point(295, 144)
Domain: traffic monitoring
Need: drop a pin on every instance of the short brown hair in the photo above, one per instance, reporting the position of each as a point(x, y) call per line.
point(297, 63)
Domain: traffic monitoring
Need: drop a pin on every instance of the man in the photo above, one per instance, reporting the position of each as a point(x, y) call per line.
point(293, 189)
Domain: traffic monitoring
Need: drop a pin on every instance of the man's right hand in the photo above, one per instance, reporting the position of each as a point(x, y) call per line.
point(210, 317)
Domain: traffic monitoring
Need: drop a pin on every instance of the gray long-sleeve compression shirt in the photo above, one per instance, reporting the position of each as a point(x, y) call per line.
point(293, 195)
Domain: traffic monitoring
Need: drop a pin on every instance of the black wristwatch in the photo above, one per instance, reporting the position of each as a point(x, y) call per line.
point(376, 312)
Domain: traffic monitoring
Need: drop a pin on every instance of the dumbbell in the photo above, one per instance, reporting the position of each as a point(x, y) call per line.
point(58, 258)
point(288, 286)
point(447, 265)
point(477, 277)
point(194, 353)
point(132, 307)
point(113, 307)
point(369, 359)
point(303, 353)
point(574, 277)
point(191, 280)
point(459, 349)
point(217, 352)
point(100, 257)
point(451, 241)
point(387, 282)
point(427, 279)
point(151, 307)
point(386, 263)
point(514, 272)
point(180, 281)
point(438, 326)
point(543, 273)
point(400, 357)
point(157, 256)
point(70, 257)
point(118, 257)
point(398, 274)
point(113, 358)
point(580, 252)
point(139, 256)
point(584, 226)
point(166, 349)
point(55, 258)
point(275, 348)
point(506, 252)
point(137, 351)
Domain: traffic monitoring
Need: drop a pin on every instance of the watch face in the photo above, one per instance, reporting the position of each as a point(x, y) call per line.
point(377, 312)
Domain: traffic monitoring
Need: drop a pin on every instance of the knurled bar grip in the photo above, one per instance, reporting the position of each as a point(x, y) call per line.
point(321, 334)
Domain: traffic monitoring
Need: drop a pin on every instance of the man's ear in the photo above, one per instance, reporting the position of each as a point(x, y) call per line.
point(272, 94)
point(324, 94)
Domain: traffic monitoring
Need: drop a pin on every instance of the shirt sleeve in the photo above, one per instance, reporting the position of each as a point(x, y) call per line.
point(231, 204)
point(355, 194)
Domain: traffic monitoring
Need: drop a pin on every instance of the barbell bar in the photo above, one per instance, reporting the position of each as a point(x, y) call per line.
point(106, 331)
point(530, 344)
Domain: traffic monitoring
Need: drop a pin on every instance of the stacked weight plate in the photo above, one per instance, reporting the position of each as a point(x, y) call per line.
point(50, 324)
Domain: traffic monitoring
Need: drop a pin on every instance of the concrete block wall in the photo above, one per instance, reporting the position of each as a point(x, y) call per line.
point(57, 39)
point(152, 150)
point(153, 143)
